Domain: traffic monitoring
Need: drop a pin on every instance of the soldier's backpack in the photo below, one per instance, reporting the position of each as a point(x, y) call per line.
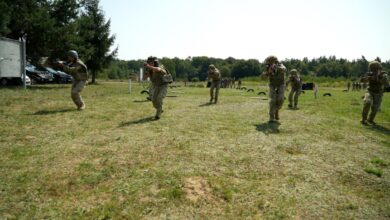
point(167, 78)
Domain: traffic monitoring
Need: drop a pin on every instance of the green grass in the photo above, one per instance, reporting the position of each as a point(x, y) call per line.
point(198, 161)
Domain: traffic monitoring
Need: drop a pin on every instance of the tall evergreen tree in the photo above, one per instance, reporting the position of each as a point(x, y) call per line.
point(95, 39)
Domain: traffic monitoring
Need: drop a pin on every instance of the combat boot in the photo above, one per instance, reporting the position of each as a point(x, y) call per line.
point(290, 106)
point(81, 107)
point(371, 118)
point(277, 115)
point(211, 100)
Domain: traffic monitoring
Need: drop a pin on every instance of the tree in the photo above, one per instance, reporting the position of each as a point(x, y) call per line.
point(4, 18)
point(95, 40)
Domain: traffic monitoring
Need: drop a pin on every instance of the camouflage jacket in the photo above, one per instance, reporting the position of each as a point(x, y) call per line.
point(156, 76)
point(296, 82)
point(376, 82)
point(214, 75)
point(77, 70)
point(276, 78)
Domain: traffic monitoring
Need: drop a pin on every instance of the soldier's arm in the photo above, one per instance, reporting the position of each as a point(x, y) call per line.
point(385, 80)
point(72, 70)
point(365, 78)
point(264, 75)
point(155, 69)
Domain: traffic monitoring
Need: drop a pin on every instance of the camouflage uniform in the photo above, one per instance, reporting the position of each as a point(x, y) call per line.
point(215, 76)
point(276, 74)
point(296, 88)
point(373, 97)
point(158, 89)
point(78, 70)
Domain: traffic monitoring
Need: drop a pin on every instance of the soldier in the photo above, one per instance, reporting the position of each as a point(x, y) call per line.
point(275, 71)
point(215, 76)
point(373, 97)
point(296, 88)
point(78, 70)
point(159, 87)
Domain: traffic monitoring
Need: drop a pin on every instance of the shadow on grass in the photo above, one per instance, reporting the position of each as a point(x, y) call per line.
point(206, 104)
point(138, 121)
point(268, 128)
point(49, 112)
point(380, 128)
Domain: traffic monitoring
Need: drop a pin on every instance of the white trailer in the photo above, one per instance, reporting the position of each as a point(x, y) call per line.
point(12, 61)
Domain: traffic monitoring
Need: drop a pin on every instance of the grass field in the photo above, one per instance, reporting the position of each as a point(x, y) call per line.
point(224, 161)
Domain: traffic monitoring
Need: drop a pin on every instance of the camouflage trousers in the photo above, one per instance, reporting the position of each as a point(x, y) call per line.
point(77, 87)
point(293, 97)
point(215, 85)
point(373, 101)
point(276, 95)
point(158, 94)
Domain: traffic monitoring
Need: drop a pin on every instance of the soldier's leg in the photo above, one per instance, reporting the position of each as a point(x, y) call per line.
point(150, 93)
point(377, 100)
point(296, 96)
point(217, 87)
point(77, 87)
point(280, 100)
point(154, 94)
point(272, 103)
point(212, 86)
point(290, 98)
point(162, 92)
point(367, 102)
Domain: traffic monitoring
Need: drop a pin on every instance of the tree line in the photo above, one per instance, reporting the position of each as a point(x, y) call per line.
point(195, 68)
point(52, 27)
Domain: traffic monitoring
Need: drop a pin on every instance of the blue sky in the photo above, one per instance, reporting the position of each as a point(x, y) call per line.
point(246, 29)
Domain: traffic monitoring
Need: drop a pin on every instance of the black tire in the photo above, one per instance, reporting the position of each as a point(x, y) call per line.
point(145, 91)
point(327, 94)
point(261, 93)
point(3, 82)
point(250, 90)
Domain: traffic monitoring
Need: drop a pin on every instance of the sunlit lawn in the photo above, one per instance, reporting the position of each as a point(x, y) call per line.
point(198, 161)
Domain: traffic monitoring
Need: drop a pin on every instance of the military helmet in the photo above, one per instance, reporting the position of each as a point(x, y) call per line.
point(211, 66)
point(73, 54)
point(374, 65)
point(153, 59)
point(293, 71)
point(270, 60)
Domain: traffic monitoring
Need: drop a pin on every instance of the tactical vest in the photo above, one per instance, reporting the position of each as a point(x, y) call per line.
point(156, 77)
point(82, 72)
point(276, 78)
point(215, 75)
point(296, 82)
point(376, 84)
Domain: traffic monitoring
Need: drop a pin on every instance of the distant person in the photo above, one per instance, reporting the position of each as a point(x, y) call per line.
point(78, 70)
point(296, 88)
point(239, 84)
point(315, 90)
point(215, 76)
point(275, 72)
point(377, 80)
point(348, 85)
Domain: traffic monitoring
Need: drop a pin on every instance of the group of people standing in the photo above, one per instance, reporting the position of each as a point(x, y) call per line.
point(275, 71)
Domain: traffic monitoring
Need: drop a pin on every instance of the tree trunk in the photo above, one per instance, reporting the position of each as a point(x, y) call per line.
point(93, 81)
